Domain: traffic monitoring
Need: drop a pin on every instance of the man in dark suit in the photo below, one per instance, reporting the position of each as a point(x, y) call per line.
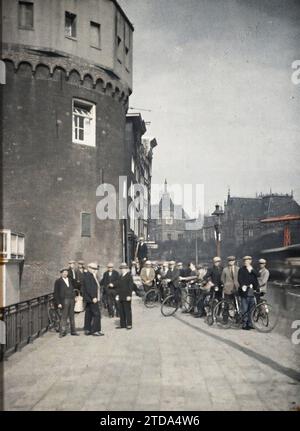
point(64, 298)
point(248, 286)
point(142, 252)
point(214, 274)
point(91, 296)
point(172, 277)
point(108, 283)
point(80, 274)
point(124, 288)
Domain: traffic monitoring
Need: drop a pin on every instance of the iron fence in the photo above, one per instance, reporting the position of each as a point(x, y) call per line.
point(24, 322)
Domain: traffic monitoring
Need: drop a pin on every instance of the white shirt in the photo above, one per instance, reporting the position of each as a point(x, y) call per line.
point(66, 280)
point(98, 289)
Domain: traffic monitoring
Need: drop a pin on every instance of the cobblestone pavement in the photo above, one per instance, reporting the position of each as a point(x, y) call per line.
point(175, 363)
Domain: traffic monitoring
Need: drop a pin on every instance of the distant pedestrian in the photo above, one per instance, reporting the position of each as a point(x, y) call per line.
point(108, 282)
point(124, 288)
point(147, 276)
point(64, 298)
point(248, 285)
point(263, 276)
point(214, 275)
point(230, 282)
point(72, 271)
point(91, 295)
point(172, 277)
point(141, 252)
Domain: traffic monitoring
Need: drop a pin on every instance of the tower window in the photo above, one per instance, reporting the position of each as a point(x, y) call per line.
point(86, 224)
point(70, 24)
point(95, 35)
point(25, 15)
point(84, 123)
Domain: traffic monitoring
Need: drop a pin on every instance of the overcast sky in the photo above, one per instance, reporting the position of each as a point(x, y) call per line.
point(216, 75)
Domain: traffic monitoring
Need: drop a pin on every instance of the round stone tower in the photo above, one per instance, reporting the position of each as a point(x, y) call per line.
point(68, 79)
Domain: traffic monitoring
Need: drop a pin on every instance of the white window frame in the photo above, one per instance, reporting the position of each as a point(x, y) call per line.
point(71, 31)
point(80, 112)
point(95, 25)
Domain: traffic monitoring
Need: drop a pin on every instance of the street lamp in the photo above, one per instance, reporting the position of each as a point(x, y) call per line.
point(218, 212)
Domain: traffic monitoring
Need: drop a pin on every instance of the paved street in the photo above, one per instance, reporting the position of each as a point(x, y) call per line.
point(176, 363)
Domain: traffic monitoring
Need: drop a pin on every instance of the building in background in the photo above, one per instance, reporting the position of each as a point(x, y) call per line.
point(139, 155)
point(68, 79)
point(242, 230)
point(168, 221)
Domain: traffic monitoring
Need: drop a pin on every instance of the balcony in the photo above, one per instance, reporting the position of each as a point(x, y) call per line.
point(12, 245)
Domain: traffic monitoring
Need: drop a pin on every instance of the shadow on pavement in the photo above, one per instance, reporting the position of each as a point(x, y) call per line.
point(289, 372)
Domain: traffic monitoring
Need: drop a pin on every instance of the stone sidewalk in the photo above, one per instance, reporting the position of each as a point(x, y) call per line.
point(175, 363)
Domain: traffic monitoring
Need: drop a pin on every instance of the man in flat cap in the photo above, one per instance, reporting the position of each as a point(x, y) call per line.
point(64, 299)
point(230, 282)
point(214, 275)
point(141, 252)
point(263, 276)
point(248, 285)
point(108, 283)
point(124, 288)
point(147, 276)
point(172, 278)
point(72, 272)
point(91, 296)
point(79, 274)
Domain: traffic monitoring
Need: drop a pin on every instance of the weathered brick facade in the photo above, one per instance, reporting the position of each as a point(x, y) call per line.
point(48, 180)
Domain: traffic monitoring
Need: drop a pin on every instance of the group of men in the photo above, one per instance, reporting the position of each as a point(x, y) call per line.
point(245, 281)
point(114, 290)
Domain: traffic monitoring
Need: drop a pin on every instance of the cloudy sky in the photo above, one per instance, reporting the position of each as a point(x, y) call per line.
point(216, 75)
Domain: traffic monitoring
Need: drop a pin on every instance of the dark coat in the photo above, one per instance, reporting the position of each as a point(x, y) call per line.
point(70, 274)
point(62, 291)
point(107, 279)
point(173, 276)
point(245, 278)
point(214, 274)
point(90, 287)
point(142, 251)
point(125, 286)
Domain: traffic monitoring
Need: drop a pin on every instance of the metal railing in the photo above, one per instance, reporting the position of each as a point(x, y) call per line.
point(24, 322)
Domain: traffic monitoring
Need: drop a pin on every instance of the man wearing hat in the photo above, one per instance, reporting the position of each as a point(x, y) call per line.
point(172, 277)
point(248, 285)
point(214, 275)
point(142, 251)
point(79, 273)
point(64, 299)
point(72, 272)
point(229, 280)
point(263, 276)
point(108, 283)
point(124, 288)
point(91, 296)
point(147, 275)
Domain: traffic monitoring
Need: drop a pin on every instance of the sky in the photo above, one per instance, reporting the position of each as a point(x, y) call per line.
point(216, 76)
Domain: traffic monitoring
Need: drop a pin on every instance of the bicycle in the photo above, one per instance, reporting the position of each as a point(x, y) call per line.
point(156, 294)
point(210, 303)
point(179, 299)
point(264, 316)
point(54, 317)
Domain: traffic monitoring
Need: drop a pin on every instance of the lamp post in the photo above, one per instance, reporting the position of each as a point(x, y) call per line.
point(218, 212)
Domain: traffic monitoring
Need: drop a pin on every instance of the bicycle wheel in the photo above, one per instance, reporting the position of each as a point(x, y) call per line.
point(224, 314)
point(187, 303)
point(54, 320)
point(264, 317)
point(151, 298)
point(169, 306)
point(210, 318)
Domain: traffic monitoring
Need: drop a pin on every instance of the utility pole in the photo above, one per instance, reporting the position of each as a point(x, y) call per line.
point(218, 213)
